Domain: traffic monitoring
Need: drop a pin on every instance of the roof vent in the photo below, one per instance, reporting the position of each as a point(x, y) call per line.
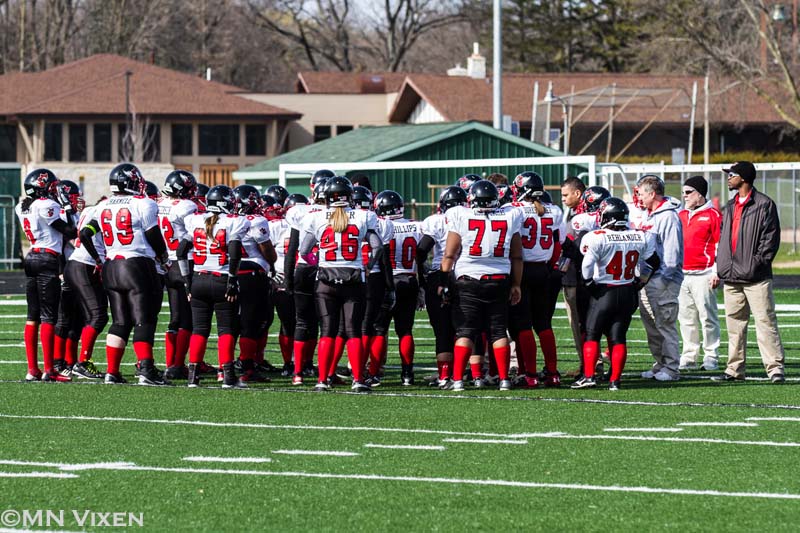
point(372, 84)
point(476, 64)
point(458, 70)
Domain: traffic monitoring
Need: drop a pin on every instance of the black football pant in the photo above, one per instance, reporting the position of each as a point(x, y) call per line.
point(134, 295)
point(42, 286)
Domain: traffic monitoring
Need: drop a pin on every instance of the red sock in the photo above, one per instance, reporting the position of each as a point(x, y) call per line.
point(365, 340)
point(476, 369)
point(47, 332)
point(502, 356)
point(143, 350)
point(526, 350)
point(226, 347)
point(59, 344)
point(548, 343)
point(182, 346)
point(170, 347)
point(324, 356)
point(444, 369)
point(299, 351)
point(338, 352)
point(355, 354)
point(113, 358)
point(407, 349)
point(261, 347)
point(88, 337)
point(460, 357)
point(71, 351)
point(247, 348)
point(286, 348)
point(197, 348)
point(591, 351)
point(32, 346)
point(376, 346)
point(619, 353)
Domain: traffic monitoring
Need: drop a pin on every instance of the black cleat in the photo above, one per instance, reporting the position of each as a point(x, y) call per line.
point(584, 383)
point(150, 375)
point(205, 368)
point(613, 385)
point(229, 380)
point(176, 372)
point(193, 376)
point(359, 386)
point(86, 370)
point(288, 370)
point(407, 376)
point(114, 379)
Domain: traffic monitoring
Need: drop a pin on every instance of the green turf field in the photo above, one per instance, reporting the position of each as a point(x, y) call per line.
point(689, 456)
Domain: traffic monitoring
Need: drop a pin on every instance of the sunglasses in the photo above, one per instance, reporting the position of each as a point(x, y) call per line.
point(688, 192)
point(733, 175)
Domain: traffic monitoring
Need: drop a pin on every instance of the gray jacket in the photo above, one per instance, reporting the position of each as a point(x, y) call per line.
point(665, 223)
point(757, 244)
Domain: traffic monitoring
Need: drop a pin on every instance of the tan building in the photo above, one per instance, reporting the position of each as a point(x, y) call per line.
point(73, 120)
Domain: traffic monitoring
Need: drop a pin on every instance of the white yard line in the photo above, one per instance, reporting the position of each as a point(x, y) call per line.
point(404, 447)
point(720, 424)
point(52, 475)
point(333, 453)
point(773, 418)
point(249, 460)
point(636, 430)
point(487, 441)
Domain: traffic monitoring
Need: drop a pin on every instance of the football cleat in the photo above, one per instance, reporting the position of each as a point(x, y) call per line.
point(220, 375)
point(528, 382)
point(149, 375)
point(584, 383)
point(479, 383)
point(373, 381)
point(613, 385)
point(193, 376)
point(458, 385)
point(334, 379)
point(266, 367)
point(445, 384)
point(114, 379)
point(176, 372)
point(321, 386)
point(205, 368)
point(309, 372)
point(288, 370)
point(407, 380)
point(86, 370)
point(550, 380)
point(505, 384)
point(35, 375)
point(55, 376)
point(297, 379)
point(229, 380)
point(492, 381)
point(359, 386)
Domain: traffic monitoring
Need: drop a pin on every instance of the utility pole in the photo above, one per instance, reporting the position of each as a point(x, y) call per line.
point(497, 67)
point(127, 138)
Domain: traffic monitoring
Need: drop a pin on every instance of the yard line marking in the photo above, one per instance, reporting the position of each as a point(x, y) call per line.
point(202, 458)
point(404, 447)
point(720, 424)
point(457, 481)
point(774, 418)
point(487, 441)
point(316, 452)
point(664, 430)
point(683, 439)
point(54, 475)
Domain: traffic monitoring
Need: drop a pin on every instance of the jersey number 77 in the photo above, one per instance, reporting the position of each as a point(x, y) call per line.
point(497, 226)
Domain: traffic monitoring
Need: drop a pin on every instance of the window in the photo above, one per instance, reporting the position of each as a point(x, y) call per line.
point(147, 148)
point(181, 139)
point(321, 133)
point(343, 129)
point(77, 142)
point(52, 142)
point(102, 142)
point(8, 142)
point(255, 139)
point(219, 139)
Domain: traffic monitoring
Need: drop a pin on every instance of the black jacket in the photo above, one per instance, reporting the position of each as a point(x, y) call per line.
point(758, 242)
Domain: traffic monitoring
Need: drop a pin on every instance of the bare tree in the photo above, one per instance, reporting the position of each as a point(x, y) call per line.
point(138, 142)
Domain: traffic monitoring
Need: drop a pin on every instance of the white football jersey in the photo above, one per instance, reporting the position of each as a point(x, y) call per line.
point(636, 216)
point(385, 231)
point(36, 224)
point(403, 245)
point(296, 217)
point(257, 234)
point(171, 215)
point(537, 235)
point(279, 233)
point(341, 250)
point(584, 222)
point(211, 253)
point(612, 257)
point(123, 220)
point(80, 254)
point(485, 239)
point(435, 226)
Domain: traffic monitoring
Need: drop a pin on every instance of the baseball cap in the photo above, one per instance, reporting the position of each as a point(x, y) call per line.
point(745, 169)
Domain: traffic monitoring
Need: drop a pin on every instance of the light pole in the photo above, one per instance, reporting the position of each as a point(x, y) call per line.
point(497, 67)
point(550, 97)
point(127, 138)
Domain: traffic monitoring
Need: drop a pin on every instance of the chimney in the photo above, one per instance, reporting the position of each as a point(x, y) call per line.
point(476, 64)
point(458, 70)
point(208, 74)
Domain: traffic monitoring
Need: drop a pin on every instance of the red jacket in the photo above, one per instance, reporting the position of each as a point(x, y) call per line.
point(701, 229)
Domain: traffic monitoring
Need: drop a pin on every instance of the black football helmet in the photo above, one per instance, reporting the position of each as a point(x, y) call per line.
point(529, 185)
point(41, 183)
point(362, 198)
point(546, 198)
point(200, 196)
point(247, 199)
point(614, 213)
point(151, 190)
point(318, 195)
point(72, 192)
point(338, 192)
point(320, 176)
point(389, 204)
point(278, 193)
point(451, 197)
point(126, 178)
point(180, 184)
point(267, 204)
point(295, 199)
point(220, 199)
point(467, 180)
point(483, 195)
point(593, 197)
point(504, 194)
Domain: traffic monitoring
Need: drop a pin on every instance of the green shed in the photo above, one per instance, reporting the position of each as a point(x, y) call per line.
point(413, 142)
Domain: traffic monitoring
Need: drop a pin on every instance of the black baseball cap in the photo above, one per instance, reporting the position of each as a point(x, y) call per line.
point(745, 169)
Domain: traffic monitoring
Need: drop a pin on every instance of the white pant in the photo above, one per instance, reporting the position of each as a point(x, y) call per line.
point(658, 307)
point(697, 308)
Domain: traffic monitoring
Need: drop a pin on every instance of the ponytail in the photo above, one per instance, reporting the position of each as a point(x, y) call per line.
point(210, 223)
point(26, 203)
point(537, 203)
point(339, 220)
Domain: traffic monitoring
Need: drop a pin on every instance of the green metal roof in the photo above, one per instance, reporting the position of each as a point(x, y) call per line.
point(381, 143)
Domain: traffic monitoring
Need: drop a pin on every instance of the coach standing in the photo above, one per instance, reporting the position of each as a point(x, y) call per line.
point(750, 237)
point(697, 303)
point(658, 301)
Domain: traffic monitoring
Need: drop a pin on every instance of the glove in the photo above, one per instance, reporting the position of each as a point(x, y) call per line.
point(278, 279)
point(389, 300)
point(232, 291)
point(592, 287)
point(63, 201)
point(187, 281)
point(638, 284)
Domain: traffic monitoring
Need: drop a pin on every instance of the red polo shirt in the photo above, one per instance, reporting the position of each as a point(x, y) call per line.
point(738, 207)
